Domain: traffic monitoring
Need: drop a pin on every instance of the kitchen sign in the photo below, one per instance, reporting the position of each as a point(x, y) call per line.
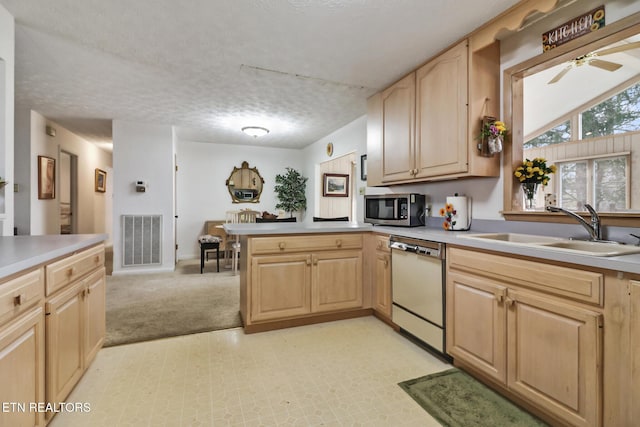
point(583, 24)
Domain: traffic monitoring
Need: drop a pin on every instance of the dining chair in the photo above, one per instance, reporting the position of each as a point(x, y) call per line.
point(237, 217)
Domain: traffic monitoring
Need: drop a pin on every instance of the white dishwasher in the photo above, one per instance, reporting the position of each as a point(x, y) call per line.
point(418, 290)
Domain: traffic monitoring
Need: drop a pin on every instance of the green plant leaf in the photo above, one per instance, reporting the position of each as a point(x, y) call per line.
point(291, 191)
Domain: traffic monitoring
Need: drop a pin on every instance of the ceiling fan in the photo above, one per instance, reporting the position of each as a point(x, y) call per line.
point(591, 58)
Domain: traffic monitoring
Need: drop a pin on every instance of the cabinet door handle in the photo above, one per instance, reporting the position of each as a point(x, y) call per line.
point(386, 263)
point(339, 243)
point(18, 300)
point(499, 296)
point(509, 301)
point(315, 261)
point(282, 245)
point(308, 261)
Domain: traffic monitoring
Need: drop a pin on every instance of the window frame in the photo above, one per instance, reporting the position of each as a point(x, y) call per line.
point(513, 114)
point(591, 181)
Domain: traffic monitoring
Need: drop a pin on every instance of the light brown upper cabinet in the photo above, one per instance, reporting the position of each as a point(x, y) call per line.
point(424, 127)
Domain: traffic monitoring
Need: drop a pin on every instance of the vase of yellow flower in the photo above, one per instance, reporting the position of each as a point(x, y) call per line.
point(532, 174)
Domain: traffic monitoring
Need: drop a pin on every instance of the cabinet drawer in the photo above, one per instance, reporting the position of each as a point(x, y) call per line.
point(61, 273)
point(579, 285)
point(381, 243)
point(286, 244)
point(17, 295)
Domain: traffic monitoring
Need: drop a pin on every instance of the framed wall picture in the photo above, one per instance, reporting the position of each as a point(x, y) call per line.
point(363, 167)
point(46, 177)
point(335, 185)
point(101, 181)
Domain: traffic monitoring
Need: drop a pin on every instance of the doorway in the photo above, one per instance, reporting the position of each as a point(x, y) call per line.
point(68, 192)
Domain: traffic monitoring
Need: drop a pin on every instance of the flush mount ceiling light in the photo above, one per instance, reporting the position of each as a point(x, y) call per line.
point(255, 131)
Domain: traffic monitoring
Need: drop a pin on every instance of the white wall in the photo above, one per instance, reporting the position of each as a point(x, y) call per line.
point(45, 218)
point(143, 152)
point(7, 65)
point(202, 194)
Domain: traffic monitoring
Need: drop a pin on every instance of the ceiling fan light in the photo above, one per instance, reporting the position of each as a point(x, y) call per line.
point(255, 131)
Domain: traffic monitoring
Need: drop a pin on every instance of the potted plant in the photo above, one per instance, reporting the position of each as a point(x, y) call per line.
point(493, 132)
point(291, 191)
point(531, 173)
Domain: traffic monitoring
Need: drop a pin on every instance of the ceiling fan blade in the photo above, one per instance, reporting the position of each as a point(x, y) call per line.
point(605, 65)
point(617, 49)
point(560, 75)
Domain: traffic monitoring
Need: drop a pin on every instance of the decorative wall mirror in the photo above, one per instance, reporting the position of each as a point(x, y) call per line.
point(555, 102)
point(245, 184)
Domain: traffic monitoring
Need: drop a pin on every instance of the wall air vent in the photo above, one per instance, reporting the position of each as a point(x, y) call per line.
point(141, 240)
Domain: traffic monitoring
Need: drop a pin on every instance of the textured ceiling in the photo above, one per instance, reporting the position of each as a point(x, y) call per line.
point(301, 68)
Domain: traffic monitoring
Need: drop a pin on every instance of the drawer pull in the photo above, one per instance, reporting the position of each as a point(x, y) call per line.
point(97, 259)
point(339, 243)
point(71, 271)
point(18, 300)
point(282, 245)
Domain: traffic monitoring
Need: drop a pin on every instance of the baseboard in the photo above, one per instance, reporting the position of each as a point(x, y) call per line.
point(321, 318)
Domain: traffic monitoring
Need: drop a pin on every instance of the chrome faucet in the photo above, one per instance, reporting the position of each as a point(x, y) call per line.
point(594, 229)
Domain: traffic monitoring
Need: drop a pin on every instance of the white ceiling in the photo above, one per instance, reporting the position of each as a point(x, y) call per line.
point(544, 102)
point(301, 68)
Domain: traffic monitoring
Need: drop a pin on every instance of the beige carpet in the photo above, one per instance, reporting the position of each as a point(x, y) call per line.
point(151, 306)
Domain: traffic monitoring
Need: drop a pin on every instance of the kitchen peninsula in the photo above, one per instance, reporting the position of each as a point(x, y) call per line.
point(52, 318)
point(294, 274)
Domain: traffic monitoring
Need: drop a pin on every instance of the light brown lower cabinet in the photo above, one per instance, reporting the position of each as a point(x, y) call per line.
point(293, 285)
point(281, 286)
point(22, 369)
point(546, 350)
point(52, 325)
point(382, 277)
point(75, 329)
point(287, 280)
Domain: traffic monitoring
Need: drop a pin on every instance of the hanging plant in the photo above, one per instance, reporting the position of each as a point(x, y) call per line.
point(291, 191)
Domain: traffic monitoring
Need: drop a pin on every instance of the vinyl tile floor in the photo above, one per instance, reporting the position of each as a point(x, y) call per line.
point(342, 373)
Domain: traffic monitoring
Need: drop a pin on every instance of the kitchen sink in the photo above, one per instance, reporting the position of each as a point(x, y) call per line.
point(594, 248)
point(558, 244)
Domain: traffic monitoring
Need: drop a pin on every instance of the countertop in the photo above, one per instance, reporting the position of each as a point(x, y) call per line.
point(19, 253)
point(626, 263)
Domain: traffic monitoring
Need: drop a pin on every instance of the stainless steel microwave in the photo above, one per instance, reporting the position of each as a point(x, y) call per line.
point(402, 209)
